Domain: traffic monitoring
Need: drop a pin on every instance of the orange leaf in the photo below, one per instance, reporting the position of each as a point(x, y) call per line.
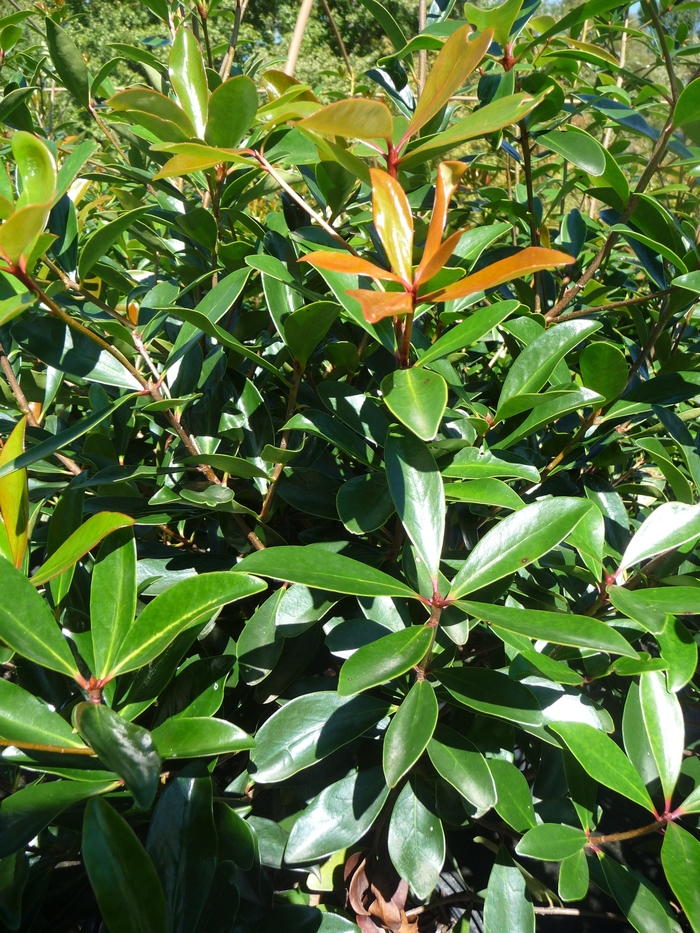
point(355, 117)
point(532, 259)
point(455, 62)
point(377, 305)
point(428, 269)
point(446, 182)
point(342, 262)
point(394, 222)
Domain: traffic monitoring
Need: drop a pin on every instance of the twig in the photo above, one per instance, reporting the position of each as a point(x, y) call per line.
point(233, 41)
point(612, 305)
point(79, 290)
point(338, 37)
point(668, 61)
point(284, 440)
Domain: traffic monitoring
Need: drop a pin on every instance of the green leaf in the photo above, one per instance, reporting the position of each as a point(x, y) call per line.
point(234, 466)
point(104, 238)
point(513, 797)
point(140, 101)
point(122, 875)
point(484, 492)
point(680, 856)
point(30, 810)
point(416, 840)
point(604, 369)
point(323, 570)
point(636, 606)
point(558, 628)
point(492, 693)
point(236, 836)
point(578, 146)
point(552, 842)
point(539, 359)
point(182, 844)
point(665, 728)
point(456, 60)
point(392, 29)
point(19, 232)
point(184, 604)
point(463, 766)
point(189, 79)
point(409, 732)
point(500, 19)
point(112, 598)
point(232, 109)
point(384, 659)
point(507, 905)
point(604, 760)
point(470, 331)
point(364, 503)
point(306, 327)
point(79, 543)
point(478, 463)
point(26, 718)
point(418, 399)
point(638, 900)
point(37, 169)
point(307, 729)
point(416, 488)
point(68, 62)
point(339, 817)
point(14, 497)
point(679, 650)
point(687, 109)
point(198, 737)
point(27, 625)
point(517, 541)
point(355, 118)
point(669, 526)
point(122, 746)
point(574, 877)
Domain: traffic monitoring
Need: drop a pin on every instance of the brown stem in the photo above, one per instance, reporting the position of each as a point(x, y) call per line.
point(529, 187)
point(571, 444)
point(606, 249)
point(227, 61)
point(56, 749)
point(284, 440)
point(668, 61)
point(338, 37)
point(629, 834)
point(649, 345)
point(405, 352)
point(612, 305)
point(79, 290)
point(26, 410)
point(464, 897)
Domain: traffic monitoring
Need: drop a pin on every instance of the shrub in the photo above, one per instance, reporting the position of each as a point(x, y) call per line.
point(349, 481)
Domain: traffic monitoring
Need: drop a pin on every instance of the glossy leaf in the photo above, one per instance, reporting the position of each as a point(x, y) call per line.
point(37, 168)
point(470, 331)
point(14, 496)
point(639, 901)
point(492, 693)
point(417, 398)
point(182, 844)
point(377, 305)
point(347, 264)
point(507, 906)
point(79, 543)
point(555, 627)
point(409, 732)
point(463, 766)
point(339, 817)
point(687, 109)
point(679, 650)
point(416, 489)
point(604, 370)
point(356, 118)
point(513, 797)
point(123, 747)
point(306, 327)
point(324, 570)
point(671, 525)
point(122, 875)
point(102, 240)
point(26, 718)
point(192, 600)
point(384, 659)
point(394, 222)
point(574, 877)
point(308, 729)
point(18, 234)
point(604, 760)
point(447, 179)
point(484, 492)
point(188, 78)
point(144, 100)
point(680, 855)
point(30, 810)
point(456, 60)
point(416, 840)
point(364, 503)
point(199, 737)
point(231, 111)
point(578, 146)
point(552, 842)
point(517, 541)
point(663, 720)
point(68, 62)
point(27, 625)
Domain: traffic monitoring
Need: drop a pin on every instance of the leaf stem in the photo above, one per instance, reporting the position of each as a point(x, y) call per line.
point(55, 749)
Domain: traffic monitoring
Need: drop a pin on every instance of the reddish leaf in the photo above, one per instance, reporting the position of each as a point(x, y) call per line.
point(532, 259)
point(343, 262)
point(432, 266)
point(455, 62)
point(394, 222)
point(446, 182)
point(376, 305)
point(355, 117)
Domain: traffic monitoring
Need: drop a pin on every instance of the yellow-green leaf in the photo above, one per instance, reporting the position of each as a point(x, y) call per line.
point(356, 118)
point(14, 496)
point(394, 222)
point(189, 79)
